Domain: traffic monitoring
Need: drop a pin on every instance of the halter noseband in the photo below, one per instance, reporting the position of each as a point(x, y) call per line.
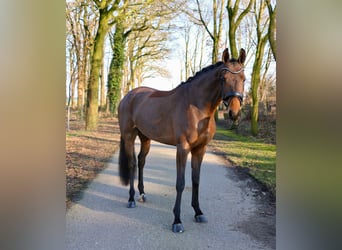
point(239, 95)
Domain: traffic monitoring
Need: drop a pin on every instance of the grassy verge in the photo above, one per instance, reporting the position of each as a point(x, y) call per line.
point(255, 156)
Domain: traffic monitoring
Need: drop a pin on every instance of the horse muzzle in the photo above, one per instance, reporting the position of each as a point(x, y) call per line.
point(234, 116)
point(226, 98)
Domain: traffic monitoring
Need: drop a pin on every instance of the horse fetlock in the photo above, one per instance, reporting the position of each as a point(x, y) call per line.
point(142, 198)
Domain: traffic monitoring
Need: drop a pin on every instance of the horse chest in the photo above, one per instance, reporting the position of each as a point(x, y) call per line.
point(203, 132)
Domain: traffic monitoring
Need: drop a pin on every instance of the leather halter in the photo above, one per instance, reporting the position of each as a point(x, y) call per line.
point(229, 95)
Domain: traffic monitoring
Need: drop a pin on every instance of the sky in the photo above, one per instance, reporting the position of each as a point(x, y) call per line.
point(162, 83)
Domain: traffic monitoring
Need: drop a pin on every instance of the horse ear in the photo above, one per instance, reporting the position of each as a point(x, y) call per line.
point(242, 56)
point(225, 55)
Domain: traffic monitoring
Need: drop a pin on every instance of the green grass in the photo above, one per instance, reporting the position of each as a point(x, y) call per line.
point(248, 152)
point(71, 134)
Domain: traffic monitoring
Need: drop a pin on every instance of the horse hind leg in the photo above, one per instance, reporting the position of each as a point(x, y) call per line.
point(127, 162)
point(144, 149)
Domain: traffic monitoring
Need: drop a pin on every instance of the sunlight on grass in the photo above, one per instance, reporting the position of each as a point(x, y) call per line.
point(248, 152)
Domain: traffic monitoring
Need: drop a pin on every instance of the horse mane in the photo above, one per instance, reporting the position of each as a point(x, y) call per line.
point(198, 73)
point(159, 93)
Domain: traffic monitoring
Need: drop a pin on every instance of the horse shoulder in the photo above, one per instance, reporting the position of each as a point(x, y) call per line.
point(202, 131)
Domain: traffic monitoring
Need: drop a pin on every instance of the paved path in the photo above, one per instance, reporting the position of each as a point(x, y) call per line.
point(100, 220)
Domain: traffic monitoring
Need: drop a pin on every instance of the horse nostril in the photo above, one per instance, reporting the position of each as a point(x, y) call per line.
point(233, 115)
point(230, 114)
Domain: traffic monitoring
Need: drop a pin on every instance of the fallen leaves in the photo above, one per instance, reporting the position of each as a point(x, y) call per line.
point(87, 153)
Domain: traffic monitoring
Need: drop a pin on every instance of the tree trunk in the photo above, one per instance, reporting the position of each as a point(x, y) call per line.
point(255, 84)
point(73, 94)
point(103, 90)
point(72, 79)
point(96, 62)
point(255, 100)
point(272, 28)
point(116, 66)
point(80, 86)
point(232, 40)
point(187, 41)
point(130, 83)
point(215, 50)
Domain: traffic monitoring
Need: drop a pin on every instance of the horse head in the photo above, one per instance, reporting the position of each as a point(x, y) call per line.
point(233, 83)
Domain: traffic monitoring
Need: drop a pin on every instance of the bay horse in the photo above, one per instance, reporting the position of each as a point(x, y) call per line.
point(182, 117)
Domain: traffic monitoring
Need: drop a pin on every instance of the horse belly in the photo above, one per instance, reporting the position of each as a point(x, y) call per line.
point(157, 128)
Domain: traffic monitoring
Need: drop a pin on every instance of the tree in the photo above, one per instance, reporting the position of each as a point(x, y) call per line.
point(216, 31)
point(234, 22)
point(71, 73)
point(265, 80)
point(197, 61)
point(194, 41)
point(186, 36)
point(118, 41)
point(103, 99)
point(272, 11)
point(118, 44)
point(71, 82)
point(262, 38)
point(149, 48)
point(143, 48)
point(81, 22)
point(106, 9)
point(145, 31)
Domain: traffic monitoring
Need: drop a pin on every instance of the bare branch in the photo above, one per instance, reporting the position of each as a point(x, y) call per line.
point(203, 22)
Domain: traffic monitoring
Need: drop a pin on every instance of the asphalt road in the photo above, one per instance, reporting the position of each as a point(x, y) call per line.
point(100, 220)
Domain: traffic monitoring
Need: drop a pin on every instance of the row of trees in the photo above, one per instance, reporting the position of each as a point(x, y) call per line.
point(139, 32)
point(250, 24)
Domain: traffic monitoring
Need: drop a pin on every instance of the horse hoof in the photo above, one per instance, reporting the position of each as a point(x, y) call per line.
point(131, 204)
point(142, 198)
point(201, 218)
point(178, 228)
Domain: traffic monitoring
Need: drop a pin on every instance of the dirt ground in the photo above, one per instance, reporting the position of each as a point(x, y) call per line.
point(87, 153)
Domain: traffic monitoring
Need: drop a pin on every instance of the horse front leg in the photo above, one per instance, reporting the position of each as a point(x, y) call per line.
point(196, 161)
point(182, 154)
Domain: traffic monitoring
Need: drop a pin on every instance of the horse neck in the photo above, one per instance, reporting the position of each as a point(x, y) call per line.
point(206, 91)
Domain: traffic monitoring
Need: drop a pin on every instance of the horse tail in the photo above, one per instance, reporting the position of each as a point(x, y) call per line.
point(123, 164)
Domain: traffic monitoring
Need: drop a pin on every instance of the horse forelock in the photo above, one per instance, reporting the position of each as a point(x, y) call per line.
point(233, 60)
